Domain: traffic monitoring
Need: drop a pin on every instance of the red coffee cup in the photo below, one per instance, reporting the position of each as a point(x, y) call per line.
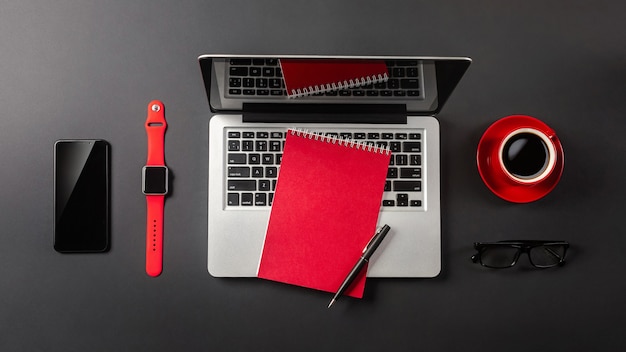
point(520, 158)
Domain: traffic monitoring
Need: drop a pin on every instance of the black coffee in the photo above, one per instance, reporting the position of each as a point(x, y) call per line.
point(525, 155)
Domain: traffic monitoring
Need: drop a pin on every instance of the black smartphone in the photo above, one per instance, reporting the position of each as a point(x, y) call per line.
point(81, 196)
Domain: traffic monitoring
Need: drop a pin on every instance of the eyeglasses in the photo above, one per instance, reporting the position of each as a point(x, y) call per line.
point(504, 254)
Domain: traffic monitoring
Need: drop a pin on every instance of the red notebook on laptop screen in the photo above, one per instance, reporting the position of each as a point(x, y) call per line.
point(310, 76)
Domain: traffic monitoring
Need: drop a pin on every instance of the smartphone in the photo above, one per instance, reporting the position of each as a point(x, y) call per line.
point(81, 196)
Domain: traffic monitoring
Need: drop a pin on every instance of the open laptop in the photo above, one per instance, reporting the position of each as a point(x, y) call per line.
point(251, 114)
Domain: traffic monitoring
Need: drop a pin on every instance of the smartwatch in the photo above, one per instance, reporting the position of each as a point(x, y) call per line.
point(154, 180)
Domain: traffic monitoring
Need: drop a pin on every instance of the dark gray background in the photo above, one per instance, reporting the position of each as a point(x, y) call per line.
point(87, 69)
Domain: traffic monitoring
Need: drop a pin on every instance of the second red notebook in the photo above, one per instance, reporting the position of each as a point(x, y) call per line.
point(310, 76)
point(324, 211)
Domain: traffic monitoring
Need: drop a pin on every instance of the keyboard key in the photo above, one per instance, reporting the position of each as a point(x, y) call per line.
point(388, 203)
point(247, 145)
point(257, 171)
point(236, 158)
point(411, 147)
point(392, 172)
point(255, 71)
point(415, 136)
point(246, 198)
point(241, 185)
point(398, 72)
point(407, 186)
point(262, 135)
point(248, 134)
point(275, 146)
point(254, 159)
point(234, 146)
point(267, 159)
point(233, 199)
point(238, 71)
point(238, 171)
point(261, 83)
point(271, 172)
point(275, 83)
point(261, 146)
point(409, 83)
point(403, 199)
point(260, 199)
point(416, 159)
point(416, 203)
point(234, 82)
point(234, 134)
point(241, 62)
point(345, 135)
point(401, 159)
point(264, 185)
point(234, 91)
point(276, 135)
point(410, 172)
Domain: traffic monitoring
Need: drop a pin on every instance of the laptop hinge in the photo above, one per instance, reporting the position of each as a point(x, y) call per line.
point(324, 113)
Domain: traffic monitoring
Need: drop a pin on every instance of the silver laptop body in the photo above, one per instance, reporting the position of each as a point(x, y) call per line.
point(251, 113)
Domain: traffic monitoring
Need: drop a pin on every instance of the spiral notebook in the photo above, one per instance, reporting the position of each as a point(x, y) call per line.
point(313, 76)
point(325, 211)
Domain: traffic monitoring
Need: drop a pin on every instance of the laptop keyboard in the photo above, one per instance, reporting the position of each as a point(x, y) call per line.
point(254, 156)
point(261, 78)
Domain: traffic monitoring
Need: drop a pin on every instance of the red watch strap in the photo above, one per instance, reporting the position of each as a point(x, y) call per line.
point(154, 235)
point(155, 129)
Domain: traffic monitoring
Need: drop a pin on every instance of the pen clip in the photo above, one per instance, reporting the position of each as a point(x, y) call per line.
point(378, 231)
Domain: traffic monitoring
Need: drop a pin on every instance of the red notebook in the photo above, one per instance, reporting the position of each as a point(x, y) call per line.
point(310, 76)
point(324, 212)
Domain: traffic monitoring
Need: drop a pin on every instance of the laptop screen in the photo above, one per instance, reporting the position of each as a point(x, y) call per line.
point(421, 84)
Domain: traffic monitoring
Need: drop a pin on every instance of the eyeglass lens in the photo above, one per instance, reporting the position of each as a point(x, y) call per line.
point(498, 256)
point(547, 255)
point(504, 256)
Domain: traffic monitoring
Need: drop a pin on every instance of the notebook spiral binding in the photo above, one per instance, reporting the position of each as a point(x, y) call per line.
point(353, 83)
point(346, 142)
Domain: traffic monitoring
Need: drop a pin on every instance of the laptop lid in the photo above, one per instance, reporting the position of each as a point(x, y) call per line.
point(438, 76)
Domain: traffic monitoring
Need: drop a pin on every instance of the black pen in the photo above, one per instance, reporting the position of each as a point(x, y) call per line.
point(365, 257)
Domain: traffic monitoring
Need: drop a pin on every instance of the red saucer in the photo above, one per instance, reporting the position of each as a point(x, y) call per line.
point(490, 168)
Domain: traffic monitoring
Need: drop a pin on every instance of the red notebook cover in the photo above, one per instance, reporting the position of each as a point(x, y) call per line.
point(309, 76)
point(324, 212)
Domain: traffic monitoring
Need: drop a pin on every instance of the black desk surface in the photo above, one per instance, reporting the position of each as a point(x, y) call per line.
point(88, 69)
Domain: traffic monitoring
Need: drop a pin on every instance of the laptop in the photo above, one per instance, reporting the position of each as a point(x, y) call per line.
point(251, 114)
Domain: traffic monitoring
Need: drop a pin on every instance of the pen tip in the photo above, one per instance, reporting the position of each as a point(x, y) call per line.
point(331, 302)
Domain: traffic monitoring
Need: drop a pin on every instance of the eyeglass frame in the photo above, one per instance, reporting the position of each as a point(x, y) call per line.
point(523, 246)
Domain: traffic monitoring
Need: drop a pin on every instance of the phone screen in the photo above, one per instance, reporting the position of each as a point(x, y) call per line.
point(81, 196)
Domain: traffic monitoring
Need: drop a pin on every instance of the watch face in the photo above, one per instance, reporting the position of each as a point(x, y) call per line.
point(155, 179)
